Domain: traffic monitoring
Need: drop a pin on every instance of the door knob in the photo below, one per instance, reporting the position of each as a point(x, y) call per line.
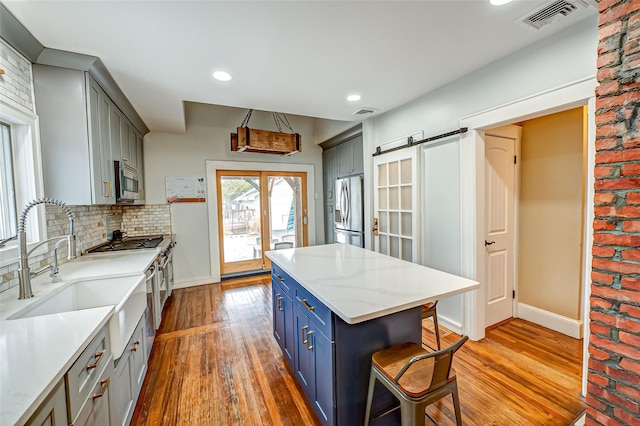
point(488, 243)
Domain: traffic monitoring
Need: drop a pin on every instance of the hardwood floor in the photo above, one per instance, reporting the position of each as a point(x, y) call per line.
point(215, 362)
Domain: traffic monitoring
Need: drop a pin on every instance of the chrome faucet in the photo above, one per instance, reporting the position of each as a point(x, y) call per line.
point(24, 274)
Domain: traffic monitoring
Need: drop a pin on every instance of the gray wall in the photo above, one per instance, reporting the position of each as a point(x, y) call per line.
point(566, 57)
point(207, 138)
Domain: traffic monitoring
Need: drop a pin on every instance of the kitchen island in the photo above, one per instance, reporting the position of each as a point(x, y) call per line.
point(334, 306)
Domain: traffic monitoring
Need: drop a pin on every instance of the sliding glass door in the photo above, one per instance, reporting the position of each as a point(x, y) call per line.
point(259, 211)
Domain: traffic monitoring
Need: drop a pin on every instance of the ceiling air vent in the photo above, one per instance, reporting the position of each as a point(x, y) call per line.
point(364, 111)
point(552, 12)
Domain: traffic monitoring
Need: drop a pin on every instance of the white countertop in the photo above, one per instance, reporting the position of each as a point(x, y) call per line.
point(358, 284)
point(35, 353)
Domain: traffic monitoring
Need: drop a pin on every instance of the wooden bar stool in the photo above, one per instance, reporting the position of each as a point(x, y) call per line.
point(429, 311)
point(416, 377)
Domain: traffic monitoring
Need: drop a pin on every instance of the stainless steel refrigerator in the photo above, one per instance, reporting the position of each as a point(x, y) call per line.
point(349, 211)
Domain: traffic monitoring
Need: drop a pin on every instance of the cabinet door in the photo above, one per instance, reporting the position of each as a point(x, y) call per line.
point(140, 161)
point(122, 403)
point(124, 141)
point(115, 124)
point(350, 157)
point(286, 304)
point(357, 155)
point(278, 314)
point(96, 409)
point(344, 153)
point(323, 361)
point(100, 145)
point(132, 152)
point(138, 364)
point(304, 360)
point(53, 410)
point(330, 171)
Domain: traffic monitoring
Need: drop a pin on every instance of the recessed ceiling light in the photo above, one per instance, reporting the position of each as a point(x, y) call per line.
point(499, 2)
point(222, 76)
point(353, 98)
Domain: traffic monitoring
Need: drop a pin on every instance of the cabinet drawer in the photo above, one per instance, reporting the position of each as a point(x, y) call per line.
point(95, 408)
point(84, 373)
point(318, 313)
point(286, 283)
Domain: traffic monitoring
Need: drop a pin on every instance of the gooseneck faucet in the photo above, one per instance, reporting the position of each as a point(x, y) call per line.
point(24, 274)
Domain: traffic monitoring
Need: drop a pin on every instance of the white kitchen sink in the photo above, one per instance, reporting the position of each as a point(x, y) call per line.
point(127, 294)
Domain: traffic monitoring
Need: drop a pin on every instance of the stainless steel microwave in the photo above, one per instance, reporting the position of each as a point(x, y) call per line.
point(126, 183)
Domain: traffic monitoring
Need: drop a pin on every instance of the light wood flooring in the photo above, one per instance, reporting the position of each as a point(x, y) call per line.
point(215, 362)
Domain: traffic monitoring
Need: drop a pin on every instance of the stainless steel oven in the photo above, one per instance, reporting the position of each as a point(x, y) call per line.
point(149, 314)
point(165, 276)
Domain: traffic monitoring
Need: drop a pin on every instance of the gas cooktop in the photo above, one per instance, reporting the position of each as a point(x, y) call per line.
point(131, 243)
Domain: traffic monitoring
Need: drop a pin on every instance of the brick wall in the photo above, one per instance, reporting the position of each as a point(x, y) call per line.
point(91, 226)
point(613, 388)
point(16, 82)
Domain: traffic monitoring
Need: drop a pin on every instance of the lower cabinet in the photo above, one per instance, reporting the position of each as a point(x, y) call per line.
point(283, 321)
point(96, 408)
point(130, 370)
point(300, 326)
point(314, 365)
point(53, 410)
point(93, 393)
point(88, 381)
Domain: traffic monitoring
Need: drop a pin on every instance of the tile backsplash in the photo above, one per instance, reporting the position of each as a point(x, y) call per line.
point(92, 226)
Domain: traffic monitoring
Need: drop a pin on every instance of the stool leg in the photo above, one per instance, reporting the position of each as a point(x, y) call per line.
point(372, 385)
point(437, 329)
point(412, 414)
point(456, 403)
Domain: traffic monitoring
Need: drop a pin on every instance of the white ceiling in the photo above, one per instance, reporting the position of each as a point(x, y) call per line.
point(296, 57)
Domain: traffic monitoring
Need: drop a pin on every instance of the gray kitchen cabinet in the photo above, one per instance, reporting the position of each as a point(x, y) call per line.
point(82, 132)
point(74, 132)
point(130, 370)
point(330, 174)
point(350, 157)
point(140, 162)
point(53, 410)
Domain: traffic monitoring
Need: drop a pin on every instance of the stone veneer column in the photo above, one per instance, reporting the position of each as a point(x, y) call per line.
point(613, 392)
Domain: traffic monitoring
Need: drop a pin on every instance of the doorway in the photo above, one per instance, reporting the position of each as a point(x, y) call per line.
point(259, 211)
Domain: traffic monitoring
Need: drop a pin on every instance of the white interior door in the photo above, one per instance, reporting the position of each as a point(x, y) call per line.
point(395, 201)
point(499, 239)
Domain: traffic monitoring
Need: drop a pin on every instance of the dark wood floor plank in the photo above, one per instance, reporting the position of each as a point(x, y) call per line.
point(215, 362)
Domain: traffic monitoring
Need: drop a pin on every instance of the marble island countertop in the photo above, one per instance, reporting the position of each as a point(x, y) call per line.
point(358, 284)
point(36, 352)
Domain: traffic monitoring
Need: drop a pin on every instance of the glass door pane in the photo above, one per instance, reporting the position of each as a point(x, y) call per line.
point(286, 213)
point(239, 222)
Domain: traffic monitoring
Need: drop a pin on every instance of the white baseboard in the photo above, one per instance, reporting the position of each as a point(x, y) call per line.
point(447, 323)
point(555, 322)
point(193, 283)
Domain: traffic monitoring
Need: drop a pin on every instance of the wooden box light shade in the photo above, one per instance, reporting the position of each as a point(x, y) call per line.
point(265, 141)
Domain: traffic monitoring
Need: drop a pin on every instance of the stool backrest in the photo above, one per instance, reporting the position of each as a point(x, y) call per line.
point(442, 361)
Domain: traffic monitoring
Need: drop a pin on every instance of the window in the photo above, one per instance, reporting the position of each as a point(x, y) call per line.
point(20, 179)
point(7, 187)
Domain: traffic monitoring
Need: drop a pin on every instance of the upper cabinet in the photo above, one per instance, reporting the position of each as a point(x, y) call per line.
point(82, 133)
point(350, 160)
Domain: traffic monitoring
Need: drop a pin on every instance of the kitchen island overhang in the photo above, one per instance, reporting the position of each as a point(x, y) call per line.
point(334, 306)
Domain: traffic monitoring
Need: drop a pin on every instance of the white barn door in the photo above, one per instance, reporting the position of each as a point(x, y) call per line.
point(395, 201)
